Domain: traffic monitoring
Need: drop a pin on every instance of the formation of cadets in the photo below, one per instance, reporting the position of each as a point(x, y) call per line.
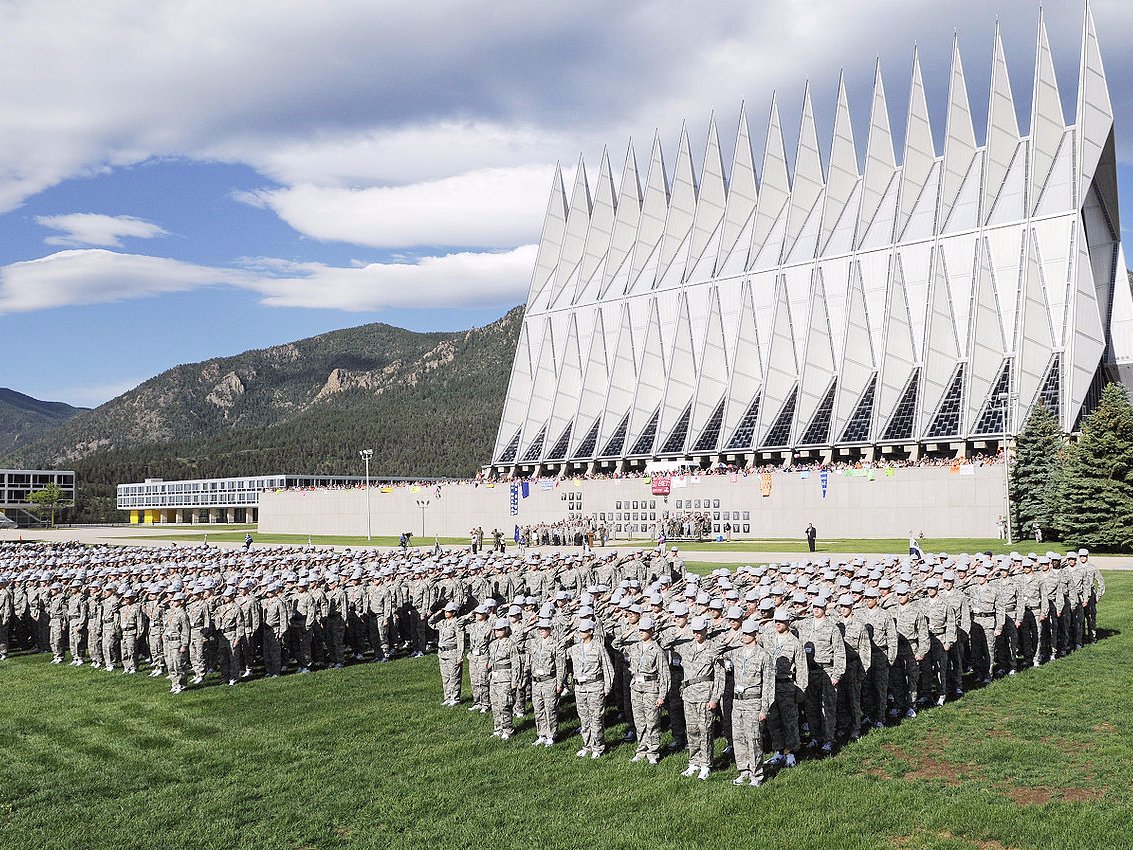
point(817, 651)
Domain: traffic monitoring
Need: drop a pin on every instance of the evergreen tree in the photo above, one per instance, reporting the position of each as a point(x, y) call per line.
point(1096, 498)
point(1035, 474)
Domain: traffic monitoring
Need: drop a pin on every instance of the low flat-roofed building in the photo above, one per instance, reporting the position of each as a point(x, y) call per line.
point(213, 500)
point(17, 484)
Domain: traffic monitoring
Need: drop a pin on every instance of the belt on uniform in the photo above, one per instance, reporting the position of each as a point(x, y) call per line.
point(698, 680)
point(446, 648)
point(645, 677)
point(983, 616)
point(497, 666)
point(542, 678)
point(740, 695)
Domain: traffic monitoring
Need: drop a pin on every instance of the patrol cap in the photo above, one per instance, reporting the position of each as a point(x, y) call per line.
point(735, 613)
point(1084, 552)
point(645, 624)
point(544, 624)
point(949, 575)
point(782, 615)
point(501, 624)
point(767, 604)
point(585, 610)
point(872, 593)
point(178, 597)
point(846, 601)
point(716, 605)
point(481, 609)
point(451, 606)
point(699, 624)
point(585, 625)
point(749, 627)
point(679, 609)
point(932, 583)
point(981, 571)
point(820, 602)
point(902, 589)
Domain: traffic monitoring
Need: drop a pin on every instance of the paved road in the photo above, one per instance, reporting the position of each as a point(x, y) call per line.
point(148, 536)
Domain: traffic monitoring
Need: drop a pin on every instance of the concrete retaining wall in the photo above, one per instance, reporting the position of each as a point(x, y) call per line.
point(934, 500)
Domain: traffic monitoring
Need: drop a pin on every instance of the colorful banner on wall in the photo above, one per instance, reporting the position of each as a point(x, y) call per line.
point(515, 500)
point(661, 486)
point(824, 478)
point(765, 483)
point(525, 489)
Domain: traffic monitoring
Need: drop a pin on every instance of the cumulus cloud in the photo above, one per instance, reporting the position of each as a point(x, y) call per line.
point(98, 276)
point(296, 89)
point(82, 229)
point(489, 208)
point(454, 280)
point(95, 276)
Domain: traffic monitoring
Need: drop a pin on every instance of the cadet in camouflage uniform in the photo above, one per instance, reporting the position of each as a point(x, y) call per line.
point(479, 636)
point(7, 614)
point(175, 639)
point(859, 656)
point(76, 621)
point(593, 674)
point(253, 625)
point(503, 678)
point(303, 615)
point(155, 611)
point(131, 622)
point(649, 683)
point(548, 678)
point(754, 674)
point(988, 617)
point(111, 627)
point(337, 606)
point(674, 636)
point(199, 624)
point(701, 688)
point(277, 616)
point(940, 621)
point(826, 664)
point(94, 625)
point(56, 608)
point(912, 646)
point(229, 624)
point(791, 680)
point(450, 653)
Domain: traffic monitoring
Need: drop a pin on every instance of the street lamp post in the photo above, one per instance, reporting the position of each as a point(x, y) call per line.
point(1006, 400)
point(366, 454)
point(422, 504)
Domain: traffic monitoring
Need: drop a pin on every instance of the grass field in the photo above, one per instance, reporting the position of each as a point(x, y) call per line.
point(366, 757)
point(837, 546)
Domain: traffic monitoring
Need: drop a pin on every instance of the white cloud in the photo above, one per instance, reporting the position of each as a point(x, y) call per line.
point(98, 276)
point(82, 229)
point(91, 395)
point(489, 208)
point(454, 280)
point(95, 276)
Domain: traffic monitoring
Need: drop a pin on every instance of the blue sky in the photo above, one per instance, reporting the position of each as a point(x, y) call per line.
point(181, 182)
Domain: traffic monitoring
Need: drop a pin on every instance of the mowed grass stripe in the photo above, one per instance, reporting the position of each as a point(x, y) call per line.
point(367, 757)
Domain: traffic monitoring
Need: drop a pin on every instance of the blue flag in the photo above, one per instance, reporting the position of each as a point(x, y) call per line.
point(525, 488)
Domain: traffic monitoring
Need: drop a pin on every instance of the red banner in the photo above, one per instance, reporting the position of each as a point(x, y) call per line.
point(661, 486)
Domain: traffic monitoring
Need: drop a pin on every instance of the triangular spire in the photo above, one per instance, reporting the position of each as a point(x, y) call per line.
point(654, 211)
point(899, 357)
point(920, 152)
point(1035, 339)
point(1047, 120)
point(942, 350)
point(880, 162)
point(565, 403)
point(551, 242)
point(710, 203)
point(601, 229)
point(682, 210)
point(542, 392)
point(623, 380)
point(1094, 115)
point(742, 194)
point(626, 221)
point(843, 175)
point(712, 380)
point(857, 362)
point(782, 374)
point(1002, 129)
point(650, 380)
point(518, 393)
point(808, 183)
point(985, 339)
point(595, 380)
point(818, 358)
point(959, 139)
point(747, 367)
point(680, 383)
point(1086, 334)
point(574, 237)
point(774, 187)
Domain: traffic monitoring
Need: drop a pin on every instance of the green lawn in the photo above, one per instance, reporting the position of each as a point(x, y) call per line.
point(855, 545)
point(301, 539)
point(366, 757)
